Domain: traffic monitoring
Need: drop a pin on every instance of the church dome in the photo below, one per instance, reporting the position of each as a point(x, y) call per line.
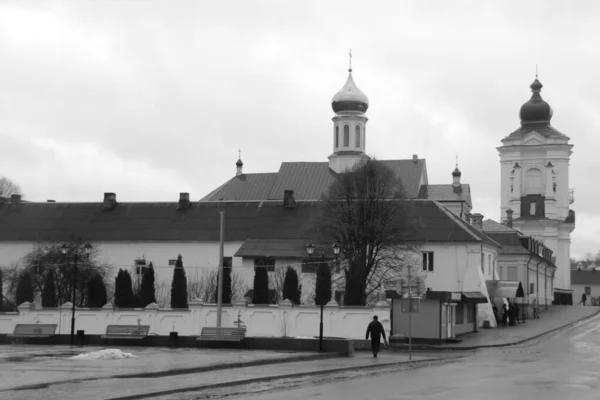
point(536, 110)
point(456, 172)
point(350, 98)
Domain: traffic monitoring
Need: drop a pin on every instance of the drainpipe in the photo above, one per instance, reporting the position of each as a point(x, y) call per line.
point(527, 276)
point(537, 281)
point(546, 286)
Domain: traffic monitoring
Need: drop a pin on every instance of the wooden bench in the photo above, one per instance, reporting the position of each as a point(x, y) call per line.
point(222, 334)
point(33, 330)
point(126, 332)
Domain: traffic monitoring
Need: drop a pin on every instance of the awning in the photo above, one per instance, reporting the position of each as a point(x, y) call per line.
point(505, 289)
point(474, 297)
point(274, 248)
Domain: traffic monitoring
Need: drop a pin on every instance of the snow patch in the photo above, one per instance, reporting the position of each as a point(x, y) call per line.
point(304, 337)
point(106, 354)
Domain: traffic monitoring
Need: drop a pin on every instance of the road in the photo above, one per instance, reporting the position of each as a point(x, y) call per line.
point(565, 365)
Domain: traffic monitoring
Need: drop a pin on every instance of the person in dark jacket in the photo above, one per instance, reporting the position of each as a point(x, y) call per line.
point(375, 329)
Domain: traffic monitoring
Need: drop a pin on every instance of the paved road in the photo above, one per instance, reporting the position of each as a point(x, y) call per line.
point(565, 365)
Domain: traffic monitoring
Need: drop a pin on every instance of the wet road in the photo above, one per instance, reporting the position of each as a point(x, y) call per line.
point(565, 365)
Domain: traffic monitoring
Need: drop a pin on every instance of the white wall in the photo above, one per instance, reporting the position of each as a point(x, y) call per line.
point(272, 320)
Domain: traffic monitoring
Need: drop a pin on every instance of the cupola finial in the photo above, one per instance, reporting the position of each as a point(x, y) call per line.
point(350, 61)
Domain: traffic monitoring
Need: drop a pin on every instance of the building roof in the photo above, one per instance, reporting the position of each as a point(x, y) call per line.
point(471, 229)
point(508, 238)
point(490, 226)
point(428, 221)
point(446, 193)
point(542, 129)
point(308, 180)
point(585, 277)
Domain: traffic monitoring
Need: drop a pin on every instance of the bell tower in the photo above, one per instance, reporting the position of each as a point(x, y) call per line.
point(534, 162)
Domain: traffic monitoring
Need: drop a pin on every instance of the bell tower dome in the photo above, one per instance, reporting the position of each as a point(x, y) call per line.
point(349, 126)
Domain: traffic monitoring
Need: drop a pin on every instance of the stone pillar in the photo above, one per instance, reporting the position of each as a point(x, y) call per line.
point(332, 324)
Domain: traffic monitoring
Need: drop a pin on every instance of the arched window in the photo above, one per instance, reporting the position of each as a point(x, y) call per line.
point(533, 181)
point(357, 144)
point(346, 136)
point(337, 136)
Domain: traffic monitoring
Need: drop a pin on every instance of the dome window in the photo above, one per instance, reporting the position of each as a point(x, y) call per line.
point(357, 144)
point(337, 136)
point(346, 136)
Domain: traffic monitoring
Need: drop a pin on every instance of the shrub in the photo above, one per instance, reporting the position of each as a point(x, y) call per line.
point(49, 298)
point(96, 292)
point(323, 284)
point(292, 289)
point(179, 286)
point(123, 290)
point(24, 290)
point(260, 294)
point(147, 291)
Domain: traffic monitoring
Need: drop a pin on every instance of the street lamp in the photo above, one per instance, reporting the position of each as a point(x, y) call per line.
point(336, 252)
point(88, 250)
point(310, 249)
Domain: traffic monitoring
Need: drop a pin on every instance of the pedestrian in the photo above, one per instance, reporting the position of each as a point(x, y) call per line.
point(495, 310)
point(511, 314)
point(504, 314)
point(583, 298)
point(534, 305)
point(375, 329)
point(517, 312)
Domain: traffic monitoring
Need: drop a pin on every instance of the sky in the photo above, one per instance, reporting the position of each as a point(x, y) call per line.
point(148, 99)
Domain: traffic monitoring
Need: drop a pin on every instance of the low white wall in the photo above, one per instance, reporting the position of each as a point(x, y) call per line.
point(268, 320)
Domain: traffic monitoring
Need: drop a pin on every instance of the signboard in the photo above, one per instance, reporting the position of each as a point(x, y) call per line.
point(172, 262)
point(456, 296)
point(410, 305)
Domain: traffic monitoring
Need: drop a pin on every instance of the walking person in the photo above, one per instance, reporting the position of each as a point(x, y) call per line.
point(504, 314)
point(583, 298)
point(534, 305)
point(517, 310)
point(375, 329)
point(511, 314)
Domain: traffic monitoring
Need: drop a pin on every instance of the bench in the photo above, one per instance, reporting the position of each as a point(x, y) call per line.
point(223, 334)
point(126, 332)
point(34, 330)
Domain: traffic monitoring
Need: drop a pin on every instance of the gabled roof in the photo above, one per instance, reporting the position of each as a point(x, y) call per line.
point(508, 238)
point(585, 277)
point(543, 129)
point(481, 236)
point(428, 221)
point(446, 193)
point(308, 180)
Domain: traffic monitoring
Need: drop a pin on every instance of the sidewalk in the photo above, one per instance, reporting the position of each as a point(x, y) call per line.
point(553, 319)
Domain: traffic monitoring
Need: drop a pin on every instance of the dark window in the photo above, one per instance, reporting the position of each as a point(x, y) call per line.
point(470, 313)
point(357, 144)
point(588, 290)
point(309, 267)
point(140, 266)
point(533, 206)
point(268, 263)
point(346, 136)
point(337, 137)
point(460, 314)
point(531, 288)
point(428, 261)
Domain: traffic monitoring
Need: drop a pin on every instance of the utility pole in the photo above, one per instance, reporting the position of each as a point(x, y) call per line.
point(409, 313)
point(220, 274)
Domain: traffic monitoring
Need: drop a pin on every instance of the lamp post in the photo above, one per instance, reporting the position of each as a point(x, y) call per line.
point(336, 252)
point(88, 250)
point(310, 249)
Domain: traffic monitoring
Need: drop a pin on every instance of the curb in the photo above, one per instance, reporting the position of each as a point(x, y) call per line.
point(488, 346)
point(271, 378)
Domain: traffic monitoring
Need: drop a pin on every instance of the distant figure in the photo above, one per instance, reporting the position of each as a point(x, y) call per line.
point(583, 298)
point(517, 310)
point(511, 314)
point(534, 305)
point(375, 329)
point(504, 314)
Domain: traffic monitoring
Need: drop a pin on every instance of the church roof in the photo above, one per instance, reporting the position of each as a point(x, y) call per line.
point(446, 193)
point(509, 238)
point(489, 225)
point(308, 180)
point(585, 277)
point(428, 221)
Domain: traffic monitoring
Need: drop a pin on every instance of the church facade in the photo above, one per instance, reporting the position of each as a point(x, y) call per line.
point(534, 192)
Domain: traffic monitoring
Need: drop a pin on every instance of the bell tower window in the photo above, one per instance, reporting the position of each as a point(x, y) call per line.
point(346, 136)
point(357, 144)
point(337, 136)
point(533, 181)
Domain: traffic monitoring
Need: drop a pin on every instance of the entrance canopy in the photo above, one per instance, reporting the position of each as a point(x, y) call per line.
point(505, 289)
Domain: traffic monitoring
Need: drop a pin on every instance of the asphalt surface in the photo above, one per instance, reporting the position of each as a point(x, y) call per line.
point(562, 365)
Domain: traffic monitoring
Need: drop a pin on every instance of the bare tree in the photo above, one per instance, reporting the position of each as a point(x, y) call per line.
point(366, 213)
point(163, 294)
point(239, 286)
point(8, 187)
point(276, 279)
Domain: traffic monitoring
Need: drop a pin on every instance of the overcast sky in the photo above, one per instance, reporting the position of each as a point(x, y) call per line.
point(149, 99)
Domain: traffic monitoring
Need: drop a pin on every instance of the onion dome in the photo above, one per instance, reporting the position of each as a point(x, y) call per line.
point(350, 98)
point(536, 110)
point(456, 172)
point(239, 163)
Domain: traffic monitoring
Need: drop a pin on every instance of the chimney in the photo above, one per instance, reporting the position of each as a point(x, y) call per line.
point(184, 201)
point(289, 201)
point(15, 200)
point(468, 218)
point(415, 159)
point(509, 216)
point(477, 221)
point(110, 201)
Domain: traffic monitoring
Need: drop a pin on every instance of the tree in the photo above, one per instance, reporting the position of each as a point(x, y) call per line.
point(49, 292)
point(24, 289)
point(97, 297)
point(226, 286)
point(8, 187)
point(147, 289)
point(323, 284)
point(292, 289)
point(179, 286)
point(260, 294)
point(366, 213)
point(123, 290)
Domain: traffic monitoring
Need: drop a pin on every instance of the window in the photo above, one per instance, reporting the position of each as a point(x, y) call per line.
point(428, 261)
point(337, 137)
point(460, 314)
point(268, 263)
point(346, 136)
point(533, 181)
point(531, 288)
point(140, 266)
point(532, 208)
point(588, 291)
point(357, 144)
point(309, 267)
